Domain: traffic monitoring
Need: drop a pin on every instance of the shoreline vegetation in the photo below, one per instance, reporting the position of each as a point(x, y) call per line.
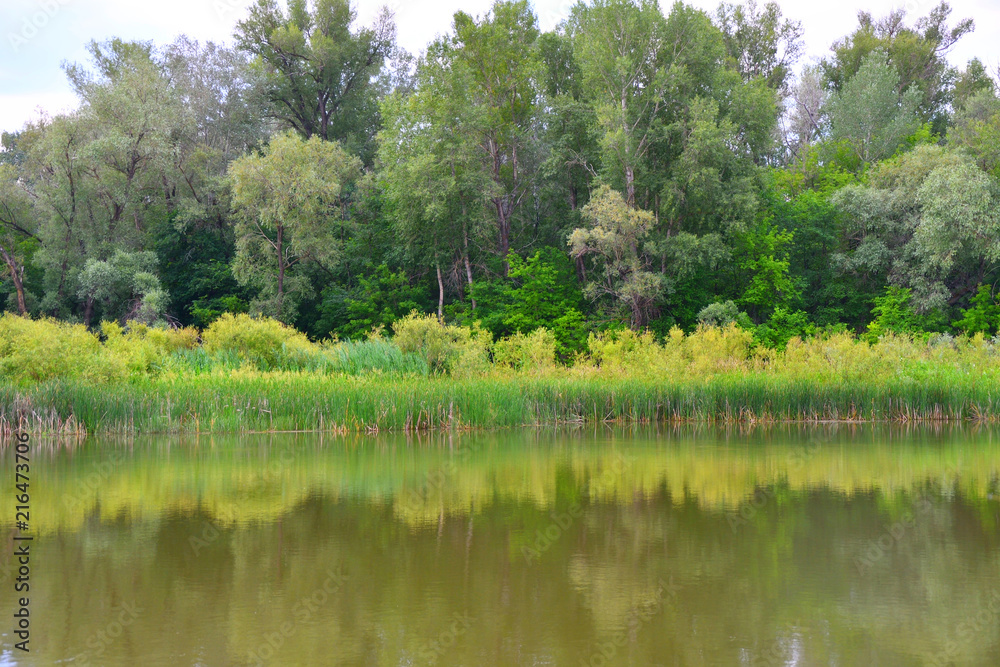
point(245, 374)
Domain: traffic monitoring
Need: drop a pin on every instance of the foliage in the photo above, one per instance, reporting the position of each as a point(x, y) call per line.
point(261, 341)
point(893, 314)
point(446, 348)
point(614, 238)
point(539, 292)
point(982, 315)
point(722, 314)
point(288, 201)
point(782, 326)
point(378, 302)
point(318, 76)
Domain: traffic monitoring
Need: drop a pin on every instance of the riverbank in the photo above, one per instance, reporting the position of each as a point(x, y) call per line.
point(247, 374)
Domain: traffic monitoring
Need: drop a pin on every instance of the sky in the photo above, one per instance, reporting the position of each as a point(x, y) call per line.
point(37, 36)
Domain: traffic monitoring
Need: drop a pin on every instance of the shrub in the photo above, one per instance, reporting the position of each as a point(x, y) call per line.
point(39, 350)
point(261, 341)
point(535, 351)
point(143, 349)
point(445, 348)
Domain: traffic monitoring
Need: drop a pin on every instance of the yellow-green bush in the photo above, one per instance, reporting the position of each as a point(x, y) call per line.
point(142, 349)
point(535, 352)
point(262, 341)
point(39, 350)
point(705, 352)
point(446, 348)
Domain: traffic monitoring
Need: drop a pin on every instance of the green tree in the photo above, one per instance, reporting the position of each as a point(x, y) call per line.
point(917, 53)
point(762, 42)
point(500, 53)
point(318, 75)
point(618, 43)
point(540, 291)
point(432, 171)
point(927, 221)
point(17, 231)
point(869, 116)
point(982, 315)
point(287, 201)
point(894, 313)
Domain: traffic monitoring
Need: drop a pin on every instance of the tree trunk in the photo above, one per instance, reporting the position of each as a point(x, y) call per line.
point(440, 294)
point(88, 311)
point(465, 256)
point(630, 186)
point(281, 270)
point(17, 275)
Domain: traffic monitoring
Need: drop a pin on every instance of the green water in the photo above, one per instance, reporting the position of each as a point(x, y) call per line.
point(789, 546)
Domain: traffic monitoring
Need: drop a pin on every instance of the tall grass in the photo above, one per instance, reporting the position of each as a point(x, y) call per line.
point(258, 375)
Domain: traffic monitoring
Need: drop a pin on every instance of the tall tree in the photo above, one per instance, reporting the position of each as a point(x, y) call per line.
point(319, 76)
point(762, 42)
point(618, 43)
point(918, 53)
point(431, 165)
point(869, 116)
point(500, 52)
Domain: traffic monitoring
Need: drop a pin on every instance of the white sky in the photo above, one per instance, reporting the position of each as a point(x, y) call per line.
point(36, 36)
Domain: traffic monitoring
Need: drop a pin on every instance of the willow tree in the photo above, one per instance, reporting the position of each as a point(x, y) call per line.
point(288, 201)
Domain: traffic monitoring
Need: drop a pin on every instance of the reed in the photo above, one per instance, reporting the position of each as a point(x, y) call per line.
point(312, 402)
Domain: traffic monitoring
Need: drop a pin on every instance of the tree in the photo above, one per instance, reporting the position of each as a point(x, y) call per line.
point(540, 291)
point(917, 53)
point(762, 43)
point(126, 286)
point(977, 130)
point(287, 201)
point(318, 76)
point(614, 240)
point(869, 116)
point(431, 166)
point(618, 43)
point(982, 315)
point(927, 221)
point(17, 231)
point(501, 55)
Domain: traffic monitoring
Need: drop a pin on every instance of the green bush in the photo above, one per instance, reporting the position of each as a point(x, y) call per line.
point(535, 351)
point(263, 342)
point(445, 348)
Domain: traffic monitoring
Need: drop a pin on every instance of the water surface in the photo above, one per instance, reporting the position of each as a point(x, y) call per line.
point(829, 545)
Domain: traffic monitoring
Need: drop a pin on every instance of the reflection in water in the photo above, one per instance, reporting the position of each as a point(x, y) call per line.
point(809, 546)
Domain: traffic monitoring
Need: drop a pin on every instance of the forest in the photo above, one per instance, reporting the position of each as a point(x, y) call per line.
point(646, 214)
point(640, 166)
